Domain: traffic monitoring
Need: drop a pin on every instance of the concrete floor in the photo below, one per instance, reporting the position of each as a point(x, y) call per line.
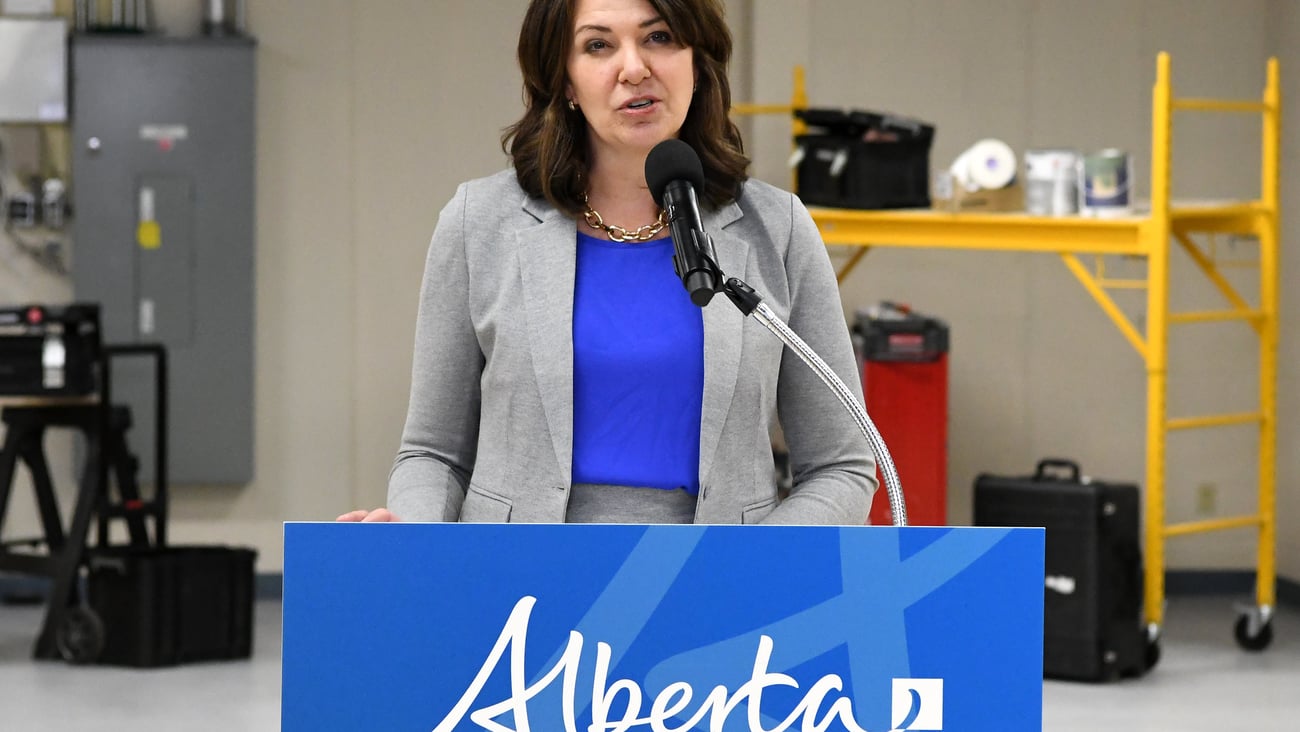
point(54, 696)
point(1203, 682)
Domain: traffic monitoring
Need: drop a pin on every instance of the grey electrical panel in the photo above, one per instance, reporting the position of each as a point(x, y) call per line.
point(162, 193)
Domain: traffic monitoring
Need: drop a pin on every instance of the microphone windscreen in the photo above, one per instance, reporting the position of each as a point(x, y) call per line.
point(672, 160)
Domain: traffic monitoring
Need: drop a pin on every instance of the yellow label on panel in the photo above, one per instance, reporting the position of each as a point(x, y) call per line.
point(149, 235)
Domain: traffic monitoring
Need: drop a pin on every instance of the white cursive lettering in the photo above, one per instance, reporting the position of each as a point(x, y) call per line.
point(670, 703)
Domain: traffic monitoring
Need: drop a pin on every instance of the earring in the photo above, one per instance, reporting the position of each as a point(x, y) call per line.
point(572, 107)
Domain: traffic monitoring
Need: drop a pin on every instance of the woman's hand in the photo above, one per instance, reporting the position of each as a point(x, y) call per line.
point(377, 515)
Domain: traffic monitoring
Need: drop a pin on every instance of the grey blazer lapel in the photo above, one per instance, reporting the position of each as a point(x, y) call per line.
point(547, 263)
point(723, 331)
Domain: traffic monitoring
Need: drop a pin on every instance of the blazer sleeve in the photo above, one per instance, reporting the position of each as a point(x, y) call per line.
point(831, 462)
point(436, 457)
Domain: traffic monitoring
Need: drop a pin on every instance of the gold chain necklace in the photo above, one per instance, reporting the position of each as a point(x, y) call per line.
point(618, 233)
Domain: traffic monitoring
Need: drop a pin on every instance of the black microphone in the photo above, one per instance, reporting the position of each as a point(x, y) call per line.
point(673, 172)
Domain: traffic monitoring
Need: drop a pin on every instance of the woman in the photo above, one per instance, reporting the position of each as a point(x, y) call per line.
point(561, 372)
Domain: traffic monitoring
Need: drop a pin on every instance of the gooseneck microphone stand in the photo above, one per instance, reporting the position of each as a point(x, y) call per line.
point(750, 302)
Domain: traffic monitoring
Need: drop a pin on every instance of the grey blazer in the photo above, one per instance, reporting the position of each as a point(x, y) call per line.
point(489, 430)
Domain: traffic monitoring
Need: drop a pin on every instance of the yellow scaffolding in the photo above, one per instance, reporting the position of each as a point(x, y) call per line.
point(1147, 236)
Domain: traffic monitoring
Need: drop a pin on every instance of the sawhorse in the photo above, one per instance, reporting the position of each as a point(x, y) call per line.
point(70, 630)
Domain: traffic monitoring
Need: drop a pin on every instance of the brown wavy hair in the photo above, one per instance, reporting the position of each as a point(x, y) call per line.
point(549, 144)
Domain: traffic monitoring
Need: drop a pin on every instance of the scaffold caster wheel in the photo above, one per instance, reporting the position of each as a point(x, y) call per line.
point(80, 636)
point(1151, 652)
point(1254, 631)
point(1152, 656)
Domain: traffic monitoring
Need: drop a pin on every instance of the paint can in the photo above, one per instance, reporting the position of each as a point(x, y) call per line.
point(1105, 182)
point(1051, 182)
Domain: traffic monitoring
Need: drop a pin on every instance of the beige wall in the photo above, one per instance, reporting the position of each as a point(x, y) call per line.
point(370, 112)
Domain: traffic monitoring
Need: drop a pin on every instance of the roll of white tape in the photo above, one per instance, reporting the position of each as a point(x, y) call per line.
point(987, 164)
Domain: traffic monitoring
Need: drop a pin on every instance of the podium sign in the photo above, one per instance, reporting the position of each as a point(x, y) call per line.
point(605, 628)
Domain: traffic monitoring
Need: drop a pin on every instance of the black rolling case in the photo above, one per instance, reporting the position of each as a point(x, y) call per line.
point(1092, 610)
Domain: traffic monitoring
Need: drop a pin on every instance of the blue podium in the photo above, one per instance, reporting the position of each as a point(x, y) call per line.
point(604, 628)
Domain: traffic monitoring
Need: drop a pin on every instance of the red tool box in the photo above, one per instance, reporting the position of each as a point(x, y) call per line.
point(904, 366)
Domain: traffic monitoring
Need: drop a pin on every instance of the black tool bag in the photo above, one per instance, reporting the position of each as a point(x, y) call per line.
point(1092, 610)
point(865, 160)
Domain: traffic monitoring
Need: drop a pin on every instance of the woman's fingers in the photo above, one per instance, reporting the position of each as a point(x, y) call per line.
point(378, 515)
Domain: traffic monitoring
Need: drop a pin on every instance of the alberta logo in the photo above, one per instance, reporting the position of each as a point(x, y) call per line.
point(918, 705)
point(826, 705)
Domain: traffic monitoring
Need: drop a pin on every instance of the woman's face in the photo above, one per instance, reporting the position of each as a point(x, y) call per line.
point(628, 75)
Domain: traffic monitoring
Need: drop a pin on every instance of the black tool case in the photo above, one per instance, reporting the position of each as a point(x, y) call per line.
point(863, 160)
point(48, 351)
point(162, 606)
point(1092, 609)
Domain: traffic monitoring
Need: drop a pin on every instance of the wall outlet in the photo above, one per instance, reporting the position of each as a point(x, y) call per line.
point(1207, 497)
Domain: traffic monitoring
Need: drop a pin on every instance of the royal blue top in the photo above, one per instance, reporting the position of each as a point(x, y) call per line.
point(638, 368)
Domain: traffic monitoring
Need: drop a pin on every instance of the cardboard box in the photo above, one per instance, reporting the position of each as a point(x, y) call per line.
point(947, 196)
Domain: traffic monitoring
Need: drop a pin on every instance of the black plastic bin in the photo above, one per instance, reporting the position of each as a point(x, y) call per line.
point(161, 607)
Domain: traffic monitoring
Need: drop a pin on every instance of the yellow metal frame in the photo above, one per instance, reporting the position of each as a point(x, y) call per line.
point(1147, 236)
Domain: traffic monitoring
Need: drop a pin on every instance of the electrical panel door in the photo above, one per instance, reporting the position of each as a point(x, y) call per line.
point(162, 189)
